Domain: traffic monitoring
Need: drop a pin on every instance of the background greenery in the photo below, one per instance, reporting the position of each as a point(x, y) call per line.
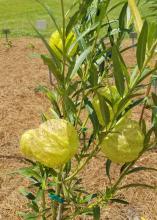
point(16, 14)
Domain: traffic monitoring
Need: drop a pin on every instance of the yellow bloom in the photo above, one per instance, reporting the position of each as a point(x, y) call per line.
point(52, 144)
point(125, 142)
point(56, 44)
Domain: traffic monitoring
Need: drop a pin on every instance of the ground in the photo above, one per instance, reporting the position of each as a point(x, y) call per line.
point(20, 109)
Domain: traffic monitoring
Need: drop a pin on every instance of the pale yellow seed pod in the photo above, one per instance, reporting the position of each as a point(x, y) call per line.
point(125, 142)
point(52, 144)
point(56, 44)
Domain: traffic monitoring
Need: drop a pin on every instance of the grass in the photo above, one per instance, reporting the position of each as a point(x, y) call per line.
point(17, 14)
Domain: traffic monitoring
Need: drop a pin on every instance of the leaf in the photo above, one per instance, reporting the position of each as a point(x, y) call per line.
point(34, 206)
point(72, 22)
point(119, 69)
point(92, 115)
point(89, 198)
point(28, 195)
point(143, 127)
point(119, 3)
point(152, 34)
point(122, 18)
point(136, 15)
point(146, 74)
point(154, 97)
point(52, 96)
point(52, 53)
point(141, 46)
point(137, 185)
point(121, 201)
point(147, 137)
point(105, 112)
point(29, 172)
point(102, 9)
point(79, 61)
point(80, 36)
point(52, 67)
point(123, 167)
point(134, 103)
point(28, 216)
point(154, 116)
point(96, 213)
point(93, 76)
point(137, 169)
point(108, 166)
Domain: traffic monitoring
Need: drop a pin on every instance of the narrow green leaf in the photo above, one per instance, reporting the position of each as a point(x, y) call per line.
point(92, 114)
point(137, 185)
point(141, 46)
point(144, 127)
point(34, 206)
point(96, 213)
point(105, 112)
point(52, 53)
point(115, 6)
point(121, 201)
point(122, 17)
point(138, 169)
point(28, 216)
point(154, 97)
point(79, 61)
point(152, 34)
point(28, 195)
point(146, 74)
point(102, 9)
point(123, 167)
point(72, 22)
point(29, 172)
point(147, 137)
point(89, 198)
point(108, 166)
point(118, 70)
point(52, 67)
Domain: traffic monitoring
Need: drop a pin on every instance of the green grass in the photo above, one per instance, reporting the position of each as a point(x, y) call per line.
point(17, 14)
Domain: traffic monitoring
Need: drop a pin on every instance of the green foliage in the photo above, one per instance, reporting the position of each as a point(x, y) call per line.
point(97, 63)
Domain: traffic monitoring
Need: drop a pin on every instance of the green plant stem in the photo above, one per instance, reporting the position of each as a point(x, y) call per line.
point(43, 191)
point(63, 38)
point(58, 190)
point(43, 205)
point(64, 52)
point(123, 174)
point(82, 165)
point(144, 106)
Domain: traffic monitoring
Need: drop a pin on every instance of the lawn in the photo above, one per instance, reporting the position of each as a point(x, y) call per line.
point(17, 14)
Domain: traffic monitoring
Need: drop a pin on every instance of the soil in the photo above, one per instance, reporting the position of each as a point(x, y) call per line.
point(21, 108)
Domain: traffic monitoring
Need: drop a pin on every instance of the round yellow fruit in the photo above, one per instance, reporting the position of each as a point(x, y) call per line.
point(52, 144)
point(124, 143)
point(56, 44)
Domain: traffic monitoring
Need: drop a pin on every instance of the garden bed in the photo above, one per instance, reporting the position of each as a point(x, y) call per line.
point(20, 109)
